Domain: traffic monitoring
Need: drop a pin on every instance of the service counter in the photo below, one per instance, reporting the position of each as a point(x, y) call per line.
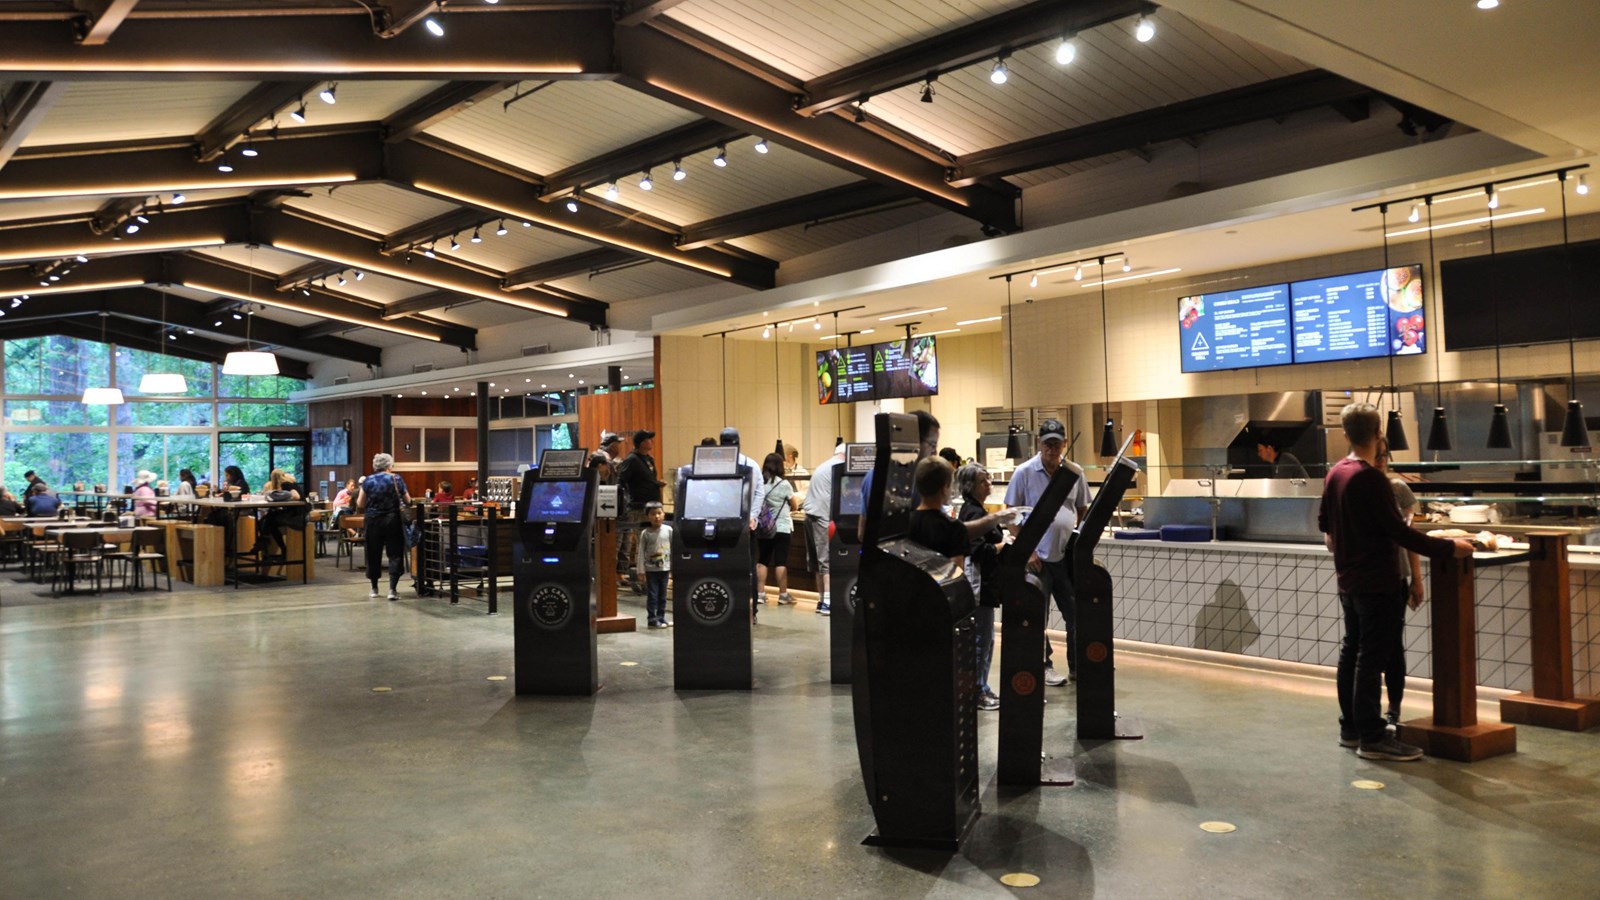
point(1279, 601)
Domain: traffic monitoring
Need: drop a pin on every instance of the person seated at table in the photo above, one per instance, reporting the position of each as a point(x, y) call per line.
point(344, 504)
point(9, 504)
point(470, 492)
point(281, 488)
point(444, 494)
point(39, 502)
point(144, 485)
point(232, 476)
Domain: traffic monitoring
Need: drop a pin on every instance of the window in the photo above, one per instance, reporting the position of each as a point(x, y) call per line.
point(59, 457)
point(55, 366)
point(133, 365)
point(164, 412)
point(260, 415)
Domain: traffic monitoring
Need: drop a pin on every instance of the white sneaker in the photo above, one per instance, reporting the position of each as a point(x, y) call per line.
point(393, 595)
point(372, 594)
point(1052, 678)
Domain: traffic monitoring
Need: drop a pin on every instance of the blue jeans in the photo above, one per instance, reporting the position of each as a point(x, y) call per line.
point(1055, 579)
point(1370, 621)
point(984, 617)
point(655, 596)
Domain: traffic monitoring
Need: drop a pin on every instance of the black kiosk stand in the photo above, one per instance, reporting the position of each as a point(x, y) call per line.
point(711, 583)
point(1097, 685)
point(915, 648)
point(552, 573)
point(844, 553)
point(1023, 612)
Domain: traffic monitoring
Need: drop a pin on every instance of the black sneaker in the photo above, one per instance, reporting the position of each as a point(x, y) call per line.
point(1392, 717)
point(1389, 749)
point(1349, 741)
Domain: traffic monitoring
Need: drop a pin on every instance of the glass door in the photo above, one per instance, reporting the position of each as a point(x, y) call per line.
point(257, 453)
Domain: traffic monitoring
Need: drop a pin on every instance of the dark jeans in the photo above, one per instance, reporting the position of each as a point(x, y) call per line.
point(1055, 579)
point(1394, 675)
point(629, 520)
point(385, 531)
point(1369, 637)
point(655, 596)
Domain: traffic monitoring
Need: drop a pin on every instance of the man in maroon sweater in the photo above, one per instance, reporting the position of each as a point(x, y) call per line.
point(1362, 526)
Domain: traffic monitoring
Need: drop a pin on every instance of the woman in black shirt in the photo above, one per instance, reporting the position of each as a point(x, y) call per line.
point(382, 495)
point(983, 570)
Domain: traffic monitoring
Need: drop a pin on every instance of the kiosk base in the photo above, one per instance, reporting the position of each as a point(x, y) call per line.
point(875, 839)
point(1122, 729)
point(618, 624)
point(1057, 773)
point(1577, 714)
point(1462, 744)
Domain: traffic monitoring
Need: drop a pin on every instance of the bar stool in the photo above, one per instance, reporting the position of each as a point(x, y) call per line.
point(80, 551)
point(347, 544)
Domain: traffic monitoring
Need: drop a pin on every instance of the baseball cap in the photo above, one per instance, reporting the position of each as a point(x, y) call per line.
point(653, 504)
point(607, 438)
point(1052, 430)
point(641, 436)
point(729, 437)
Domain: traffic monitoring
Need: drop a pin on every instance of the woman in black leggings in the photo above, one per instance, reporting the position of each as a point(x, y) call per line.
point(382, 495)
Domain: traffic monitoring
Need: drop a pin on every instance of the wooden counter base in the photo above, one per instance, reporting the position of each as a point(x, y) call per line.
point(1577, 714)
point(1468, 743)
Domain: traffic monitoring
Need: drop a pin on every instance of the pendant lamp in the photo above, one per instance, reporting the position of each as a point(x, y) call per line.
point(1439, 430)
point(163, 382)
point(1108, 435)
point(1017, 442)
point(102, 396)
point(1500, 423)
point(1574, 431)
point(1395, 432)
point(247, 361)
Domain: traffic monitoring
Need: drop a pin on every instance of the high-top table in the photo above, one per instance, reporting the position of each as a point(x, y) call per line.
point(234, 509)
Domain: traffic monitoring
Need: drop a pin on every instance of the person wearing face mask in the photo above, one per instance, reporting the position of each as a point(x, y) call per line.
point(1049, 559)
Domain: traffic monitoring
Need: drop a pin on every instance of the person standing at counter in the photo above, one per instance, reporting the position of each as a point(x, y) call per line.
point(605, 459)
point(983, 570)
point(817, 506)
point(1049, 560)
point(1282, 463)
point(755, 494)
point(639, 485)
point(773, 548)
point(1362, 526)
point(381, 496)
point(1411, 590)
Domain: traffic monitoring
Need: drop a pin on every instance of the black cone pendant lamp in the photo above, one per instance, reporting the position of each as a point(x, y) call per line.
point(1439, 430)
point(1017, 443)
point(1574, 432)
point(1500, 424)
point(1108, 436)
point(1395, 433)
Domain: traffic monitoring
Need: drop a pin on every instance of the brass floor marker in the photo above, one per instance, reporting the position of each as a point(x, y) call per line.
point(1219, 827)
point(1019, 879)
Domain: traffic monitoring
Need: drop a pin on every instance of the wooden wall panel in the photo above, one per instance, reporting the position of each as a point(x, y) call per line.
point(621, 411)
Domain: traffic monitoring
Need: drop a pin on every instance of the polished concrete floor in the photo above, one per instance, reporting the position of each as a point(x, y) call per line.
point(230, 743)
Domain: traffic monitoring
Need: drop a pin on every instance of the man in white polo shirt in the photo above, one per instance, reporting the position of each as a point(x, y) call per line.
point(818, 506)
point(1049, 560)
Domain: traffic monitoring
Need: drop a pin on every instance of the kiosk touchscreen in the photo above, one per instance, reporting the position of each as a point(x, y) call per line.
point(844, 553)
point(552, 573)
point(711, 574)
point(1097, 691)
point(914, 684)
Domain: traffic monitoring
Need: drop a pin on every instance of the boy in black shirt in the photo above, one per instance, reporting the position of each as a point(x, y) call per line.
point(929, 526)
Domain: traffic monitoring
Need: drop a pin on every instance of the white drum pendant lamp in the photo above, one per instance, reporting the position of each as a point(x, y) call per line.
point(102, 396)
point(250, 362)
point(163, 382)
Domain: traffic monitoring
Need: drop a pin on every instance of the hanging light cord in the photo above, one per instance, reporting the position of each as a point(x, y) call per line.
point(1011, 367)
point(1572, 336)
point(1498, 398)
point(1433, 275)
point(1383, 212)
point(1105, 340)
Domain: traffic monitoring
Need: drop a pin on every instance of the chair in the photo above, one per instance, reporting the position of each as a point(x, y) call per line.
point(150, 547)
point(43, 551)
point(347, 544)
point(11, 542)
point(80, 551)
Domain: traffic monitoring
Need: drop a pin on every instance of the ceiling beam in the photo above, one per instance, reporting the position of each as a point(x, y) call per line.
point(1264, 100)
point(842, 200)
point(568, 266)
point(174, 229)
point(670, 69)
point(424, 303)
point(426, 232)
point(441, 175)
point(296, 233)
point(430, 110)
point(234, 123)
point(637, 12)
point(554, 43)
point(957, 48)
point(682, 141)
point(100, 20)
point(22, 109)
point(398, 15)
point(134, 334)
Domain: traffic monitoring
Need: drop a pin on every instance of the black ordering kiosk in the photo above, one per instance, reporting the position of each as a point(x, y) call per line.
point(1097, 692)
point(552, 573)
point(915, 648)
point(711, 574)
point(1023, 612)
point(844, 553)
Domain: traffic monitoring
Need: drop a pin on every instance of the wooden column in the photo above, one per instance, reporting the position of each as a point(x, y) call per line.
point(1552, 703)
point(1453, 731)
point(605, 576)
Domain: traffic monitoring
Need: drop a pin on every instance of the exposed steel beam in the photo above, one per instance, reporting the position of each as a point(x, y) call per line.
point(22, 109)
point(438, 106)
point(568, 266)
point(235, 122)
point(842, 200)
point(100, 19)
point(682, 141)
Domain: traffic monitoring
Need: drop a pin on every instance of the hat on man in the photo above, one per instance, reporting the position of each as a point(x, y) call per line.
point(641, 436)
point(1052, 430)
point(607, 438)
point(729, 437)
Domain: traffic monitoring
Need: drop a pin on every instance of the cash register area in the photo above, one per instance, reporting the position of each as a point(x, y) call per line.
point(304, 741)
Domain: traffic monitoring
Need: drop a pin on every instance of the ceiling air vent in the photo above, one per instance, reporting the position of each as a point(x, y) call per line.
point(536, 350)
point(421, 367)
point(342, 379)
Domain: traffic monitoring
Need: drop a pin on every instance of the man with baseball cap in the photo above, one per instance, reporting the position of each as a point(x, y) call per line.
point(1048, 561)
point(638, 485)
point(605, 457)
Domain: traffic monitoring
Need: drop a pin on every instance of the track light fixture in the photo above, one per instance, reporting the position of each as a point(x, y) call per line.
point(1077, 273)
point(249, 150)
point(1416, 213)
point(526, 224)
point(223, 165)
point(341, 279)
point(1033, 280)
point(360, 274)
point(721, 159)
point(433, 26)
point(142, 219)
point(1144, 30)
point(611, 191)
point(178, 198)
point(999, 74)
point(766, 332)
point(572, 206)
point(476, 237)
point(454, 244)
point(501, 228)
point(927, 91)
point(645, 182)
point(1583, 185)
point(1127, 264)
point(299, 113)
point(678, 174)
point(328, 93)
point(761, 145)
point(1494, 197)
point(1066, 51)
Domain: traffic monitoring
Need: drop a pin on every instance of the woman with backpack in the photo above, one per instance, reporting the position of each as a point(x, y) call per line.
point(383, 498)
point(774, 525)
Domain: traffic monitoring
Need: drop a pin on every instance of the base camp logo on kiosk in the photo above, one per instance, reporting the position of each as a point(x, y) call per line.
point(710, 602)
point(549, 606)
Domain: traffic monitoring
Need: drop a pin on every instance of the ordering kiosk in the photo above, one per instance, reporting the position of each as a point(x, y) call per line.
point(711, 580)
point(915, 649)
point(844, 553)
point(1097, 686)
point(552, 572)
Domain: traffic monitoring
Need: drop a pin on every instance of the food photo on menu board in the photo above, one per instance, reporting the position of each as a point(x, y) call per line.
point(1357, 316)
point(844, 375)
point(900, 372)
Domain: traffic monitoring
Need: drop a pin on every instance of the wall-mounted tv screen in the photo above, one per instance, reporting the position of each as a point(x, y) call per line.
point(1358, 316)
point(844, 375)
point(1235, 329)
point(330, 447)
point(1523, 297)
point(906, 370)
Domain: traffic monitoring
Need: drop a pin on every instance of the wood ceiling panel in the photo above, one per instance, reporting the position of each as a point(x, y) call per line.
point(635, 282)
point(377, 208)
point(102, 111)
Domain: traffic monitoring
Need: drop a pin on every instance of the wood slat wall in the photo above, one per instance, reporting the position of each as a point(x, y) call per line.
point(621, 411)
point(366, 438)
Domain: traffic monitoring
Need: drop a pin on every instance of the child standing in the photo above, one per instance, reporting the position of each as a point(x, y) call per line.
point(655, 552)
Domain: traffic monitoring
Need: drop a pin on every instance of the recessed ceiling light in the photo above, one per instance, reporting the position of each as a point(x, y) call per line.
point(1488, 4)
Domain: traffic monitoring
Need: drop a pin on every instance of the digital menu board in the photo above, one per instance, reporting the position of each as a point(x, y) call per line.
point(878, 371)
point(1357, 316)
point(1235, 330)
point(844, 375)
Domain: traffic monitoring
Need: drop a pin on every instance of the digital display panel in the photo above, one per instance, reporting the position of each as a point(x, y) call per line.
point(1235, 329)
point(330, 447)
point(1358, 316)
point(903, 370)
point(556, 501)
point(844, 375)
point(850, 500)
point(713, 498)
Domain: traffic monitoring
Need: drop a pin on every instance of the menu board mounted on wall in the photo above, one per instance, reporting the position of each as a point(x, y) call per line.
point(1359, 316)
point(1235, 329)
point(881, 371)
point(844, 375)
